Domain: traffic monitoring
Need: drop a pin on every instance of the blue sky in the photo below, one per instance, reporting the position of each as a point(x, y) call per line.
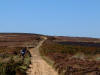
point(51, 17)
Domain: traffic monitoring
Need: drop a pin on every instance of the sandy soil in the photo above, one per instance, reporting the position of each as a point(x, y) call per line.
point(39, 66)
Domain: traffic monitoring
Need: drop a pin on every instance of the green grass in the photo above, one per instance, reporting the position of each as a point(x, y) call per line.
point(12, 64)
point(50, 62)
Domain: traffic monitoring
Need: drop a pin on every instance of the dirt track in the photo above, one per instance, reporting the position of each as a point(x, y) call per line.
point(39, 66)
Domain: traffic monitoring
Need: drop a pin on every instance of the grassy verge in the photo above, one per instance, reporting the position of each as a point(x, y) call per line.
point(47, 59)
point(50, 62)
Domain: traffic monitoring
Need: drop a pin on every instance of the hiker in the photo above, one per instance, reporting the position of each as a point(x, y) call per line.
point(23, 52)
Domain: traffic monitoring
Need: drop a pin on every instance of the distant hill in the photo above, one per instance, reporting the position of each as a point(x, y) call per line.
point(74, 39)
point(18, 39)
point(23, 39)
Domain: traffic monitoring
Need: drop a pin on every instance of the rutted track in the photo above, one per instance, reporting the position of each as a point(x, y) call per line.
point(39, 66)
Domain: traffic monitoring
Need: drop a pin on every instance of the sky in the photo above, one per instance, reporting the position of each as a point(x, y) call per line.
point(51, 17)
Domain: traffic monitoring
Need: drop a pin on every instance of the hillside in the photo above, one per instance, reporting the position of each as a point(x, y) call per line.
point(74, 39)
point(21, 39)
point(18, 39)
point(73, 56)
point(67, 55)
point(11, 44)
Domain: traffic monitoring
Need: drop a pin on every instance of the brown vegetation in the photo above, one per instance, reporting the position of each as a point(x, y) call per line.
point(11, 61)
point(72, 59)
point(72, 55)
point(19, 40)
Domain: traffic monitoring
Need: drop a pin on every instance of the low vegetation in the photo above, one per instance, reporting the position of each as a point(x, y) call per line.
point(72, 59)
point(12, 63)
point(77, 56)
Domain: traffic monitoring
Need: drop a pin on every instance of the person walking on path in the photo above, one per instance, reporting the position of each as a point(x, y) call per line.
point(23, 52)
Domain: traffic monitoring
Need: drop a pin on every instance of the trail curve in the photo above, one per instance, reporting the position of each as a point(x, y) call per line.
point(39, 66)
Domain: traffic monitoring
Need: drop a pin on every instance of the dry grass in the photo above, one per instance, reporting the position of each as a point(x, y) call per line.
point(72, 59)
